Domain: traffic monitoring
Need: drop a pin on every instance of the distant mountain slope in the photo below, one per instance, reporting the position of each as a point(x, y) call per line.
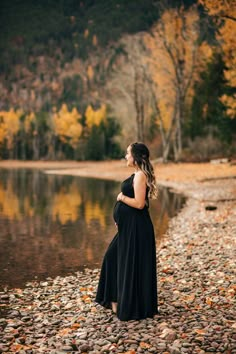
point(50, 49)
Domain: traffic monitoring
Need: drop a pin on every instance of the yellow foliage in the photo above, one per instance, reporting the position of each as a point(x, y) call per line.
point(9, 126)
point(66, 125)
point(95, 117)
point(2, 131)
point(175, 58)
point(90, 72)
point(226, 10)
point(93, 211)
point(65, 205)
point(9, 203)
point(230, 103)
point(28, 120)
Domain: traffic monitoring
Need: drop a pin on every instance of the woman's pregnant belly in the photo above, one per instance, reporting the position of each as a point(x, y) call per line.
point(122, 212)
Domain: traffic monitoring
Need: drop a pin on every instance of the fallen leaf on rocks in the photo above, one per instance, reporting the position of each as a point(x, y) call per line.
point(144, 345)
point(168, 270)
point(93, 309)
point(167, 279)
point(75, 326)
point(189, 298)
point(200, 331)
point(15, 348)
point(83, 289)
point(86, 298)
point(64, 332)
point(209, 301)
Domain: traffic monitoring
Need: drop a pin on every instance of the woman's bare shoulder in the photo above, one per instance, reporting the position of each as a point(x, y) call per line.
point(140, 176)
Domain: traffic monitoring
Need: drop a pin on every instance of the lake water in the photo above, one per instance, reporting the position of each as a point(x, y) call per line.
point(55, 225)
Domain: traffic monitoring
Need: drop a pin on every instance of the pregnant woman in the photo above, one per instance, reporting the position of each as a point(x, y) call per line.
point(128, 281)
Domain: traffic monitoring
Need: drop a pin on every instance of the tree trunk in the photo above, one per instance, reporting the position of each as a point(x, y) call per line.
point(139, 105)
point(35, 146)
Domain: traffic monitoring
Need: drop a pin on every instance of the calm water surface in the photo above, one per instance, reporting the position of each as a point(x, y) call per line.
point(55, 225)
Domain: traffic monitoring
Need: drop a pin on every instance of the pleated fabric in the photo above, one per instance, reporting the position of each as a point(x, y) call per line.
point(128, 273)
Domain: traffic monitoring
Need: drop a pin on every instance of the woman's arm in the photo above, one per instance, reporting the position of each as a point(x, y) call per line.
point(140, 185)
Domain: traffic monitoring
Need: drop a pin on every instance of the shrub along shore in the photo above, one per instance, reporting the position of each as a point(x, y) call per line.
point(196, 279)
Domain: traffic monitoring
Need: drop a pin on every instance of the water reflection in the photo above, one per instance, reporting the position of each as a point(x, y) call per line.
point(53, 225)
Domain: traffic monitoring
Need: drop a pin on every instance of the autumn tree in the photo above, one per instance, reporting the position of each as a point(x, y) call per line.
point(9, 128)
point(26, 129)
point(136, 56)
point(128, 83)
point(95, 116)
point(177, 55)
point(223, 13)
point(67, 126)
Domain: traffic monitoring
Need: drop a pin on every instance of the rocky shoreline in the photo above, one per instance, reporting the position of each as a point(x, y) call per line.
point(196, 290)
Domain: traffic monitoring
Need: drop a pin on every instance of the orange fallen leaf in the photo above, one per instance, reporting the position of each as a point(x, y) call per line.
point(209, 301)
point(200, 331)
point(189, 298)
point(15, 348)
point(168, 270)
point(86, 298)
point(64, 331)
point(169, 279)
point(83, 289)
point(75, 325)
point(93, 309)
point(144, 345)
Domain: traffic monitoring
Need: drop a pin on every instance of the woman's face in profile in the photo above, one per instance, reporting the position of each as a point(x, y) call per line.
point(129, 158)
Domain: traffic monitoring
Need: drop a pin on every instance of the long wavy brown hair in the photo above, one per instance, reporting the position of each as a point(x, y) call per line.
point(141, 154)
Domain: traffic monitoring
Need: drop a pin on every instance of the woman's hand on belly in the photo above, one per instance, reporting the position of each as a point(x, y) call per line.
point(120, 197)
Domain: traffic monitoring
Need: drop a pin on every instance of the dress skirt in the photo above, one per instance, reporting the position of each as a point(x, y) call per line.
point(128, 273)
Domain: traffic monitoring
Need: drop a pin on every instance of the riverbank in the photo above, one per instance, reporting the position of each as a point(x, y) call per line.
point(117, 170)
point(196, 281)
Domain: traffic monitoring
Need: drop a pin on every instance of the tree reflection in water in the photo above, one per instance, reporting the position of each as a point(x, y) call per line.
point(54, 225)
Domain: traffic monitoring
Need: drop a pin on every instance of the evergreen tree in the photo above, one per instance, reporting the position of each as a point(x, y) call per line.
point(208, 113)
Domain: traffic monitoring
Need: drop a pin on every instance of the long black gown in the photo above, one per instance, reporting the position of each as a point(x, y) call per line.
point(128, 273)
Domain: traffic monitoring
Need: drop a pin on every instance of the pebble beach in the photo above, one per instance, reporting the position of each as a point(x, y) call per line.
point(196, 291)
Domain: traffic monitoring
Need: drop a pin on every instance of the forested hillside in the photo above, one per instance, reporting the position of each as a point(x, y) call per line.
point(80, 79)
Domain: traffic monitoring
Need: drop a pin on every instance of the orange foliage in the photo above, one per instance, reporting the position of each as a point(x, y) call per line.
point(95, 40)
point(175, 59)
point(220, 8)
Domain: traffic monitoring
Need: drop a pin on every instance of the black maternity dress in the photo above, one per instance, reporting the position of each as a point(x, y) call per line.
point(128, 273)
